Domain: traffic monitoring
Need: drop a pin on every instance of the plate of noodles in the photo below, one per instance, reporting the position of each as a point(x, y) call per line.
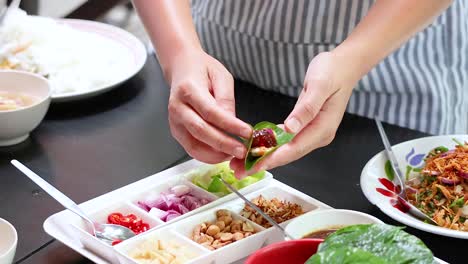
point(436, 177)
point(80, 58)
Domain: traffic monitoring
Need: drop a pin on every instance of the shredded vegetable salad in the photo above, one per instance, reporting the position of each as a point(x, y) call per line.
point(441, 191)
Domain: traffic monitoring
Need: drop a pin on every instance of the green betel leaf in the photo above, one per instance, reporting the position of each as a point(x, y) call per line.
point(389, 171)
point(387, 244)
point(346, 255)
point(282, 137)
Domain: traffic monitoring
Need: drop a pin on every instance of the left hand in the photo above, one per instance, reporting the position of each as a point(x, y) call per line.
point(317, 114)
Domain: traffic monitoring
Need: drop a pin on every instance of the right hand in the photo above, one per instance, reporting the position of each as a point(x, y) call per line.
point(202, 109)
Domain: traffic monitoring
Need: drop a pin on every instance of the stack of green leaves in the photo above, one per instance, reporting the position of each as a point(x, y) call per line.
point(372, 244)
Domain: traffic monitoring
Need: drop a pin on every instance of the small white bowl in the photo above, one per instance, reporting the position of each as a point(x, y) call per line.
point(323, 219)
point(8, 242)
point(17, 124)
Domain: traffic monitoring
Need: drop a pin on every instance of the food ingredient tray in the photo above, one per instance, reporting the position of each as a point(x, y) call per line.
point(69, 229)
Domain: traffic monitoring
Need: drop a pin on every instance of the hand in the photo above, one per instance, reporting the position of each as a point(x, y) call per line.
point(201, 108)
point(317, 114)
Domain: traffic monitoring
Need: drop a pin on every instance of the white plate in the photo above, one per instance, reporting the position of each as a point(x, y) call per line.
point(133, 47)
point(410, 153)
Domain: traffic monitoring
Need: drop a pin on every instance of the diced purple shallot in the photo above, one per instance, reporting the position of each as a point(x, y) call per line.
point(449, 181)
point(157, 213)
point(177, 202)
point(463, 174)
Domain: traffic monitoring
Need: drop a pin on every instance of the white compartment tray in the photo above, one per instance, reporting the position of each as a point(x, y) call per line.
point(66, 227)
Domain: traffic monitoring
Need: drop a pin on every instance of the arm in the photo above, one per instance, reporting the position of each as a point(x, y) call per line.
point(329, 82)
point(170, 27)
point(201, 103)
point(387, 25)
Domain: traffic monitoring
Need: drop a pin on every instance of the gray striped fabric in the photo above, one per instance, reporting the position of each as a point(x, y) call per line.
point(423, 85)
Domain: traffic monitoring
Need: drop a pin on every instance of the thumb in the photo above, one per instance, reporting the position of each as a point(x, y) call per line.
point(312, 98)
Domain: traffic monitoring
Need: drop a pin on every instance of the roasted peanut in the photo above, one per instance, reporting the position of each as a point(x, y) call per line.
point(246, 227)
point(213, 230)
point(223, 231)
point(220, 224)
point(226, 237)
point(222, 212)
point(238, 236)
point(226, 219)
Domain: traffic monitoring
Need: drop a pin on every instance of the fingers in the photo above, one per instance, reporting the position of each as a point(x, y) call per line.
point(318, 133)
point(237, 165)
point(223, 90)
point(311, 100)
point(196, 149)
point(205, 105)
point(318, 87)
point(206, 133)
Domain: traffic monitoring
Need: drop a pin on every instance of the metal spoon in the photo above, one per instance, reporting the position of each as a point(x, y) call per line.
point(105, 232)
point(258, 210)
point(399, 175)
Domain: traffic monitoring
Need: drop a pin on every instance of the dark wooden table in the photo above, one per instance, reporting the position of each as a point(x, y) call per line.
point(92, 147)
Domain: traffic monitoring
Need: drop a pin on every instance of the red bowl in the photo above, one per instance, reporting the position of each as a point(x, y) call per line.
point(291, 252)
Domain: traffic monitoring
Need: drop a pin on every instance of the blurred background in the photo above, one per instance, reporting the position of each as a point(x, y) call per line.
point(116, 12)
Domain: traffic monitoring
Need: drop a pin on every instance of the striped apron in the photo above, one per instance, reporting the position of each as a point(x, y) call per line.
point(423, 85)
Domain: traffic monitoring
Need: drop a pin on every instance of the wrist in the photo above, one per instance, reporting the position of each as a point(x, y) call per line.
point(350, 65)
point(172, 61)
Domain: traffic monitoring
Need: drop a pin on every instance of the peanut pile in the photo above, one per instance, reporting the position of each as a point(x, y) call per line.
point(223, 232)
point(279, 210)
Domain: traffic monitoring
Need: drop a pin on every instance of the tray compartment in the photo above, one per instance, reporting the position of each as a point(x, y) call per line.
point(222, 199)
point(283, 193)
point(100, 216)
point(155, 191)
point(124, 249)
point(231, 252)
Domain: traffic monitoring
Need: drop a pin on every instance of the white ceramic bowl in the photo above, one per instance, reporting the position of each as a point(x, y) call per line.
point(8, 242)
point(410, 156)
point(17, 124)
point(323, 219)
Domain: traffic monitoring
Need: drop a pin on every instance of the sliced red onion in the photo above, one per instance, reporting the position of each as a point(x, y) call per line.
point(143, 206)
point(177, 202)
point(171, 214)
point(157, 213)
point(463, 174)
point(431, 172)
point(447, 153)
point(449, 181)
point(180, 190)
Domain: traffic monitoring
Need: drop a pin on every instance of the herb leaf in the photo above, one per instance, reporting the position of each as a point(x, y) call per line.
point(282, 137)
point(458, 202)
point(389, 171)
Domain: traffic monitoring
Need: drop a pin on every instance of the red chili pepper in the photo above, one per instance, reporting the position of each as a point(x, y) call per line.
point(114, 218)
point(130, 221)
point(115, 242)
